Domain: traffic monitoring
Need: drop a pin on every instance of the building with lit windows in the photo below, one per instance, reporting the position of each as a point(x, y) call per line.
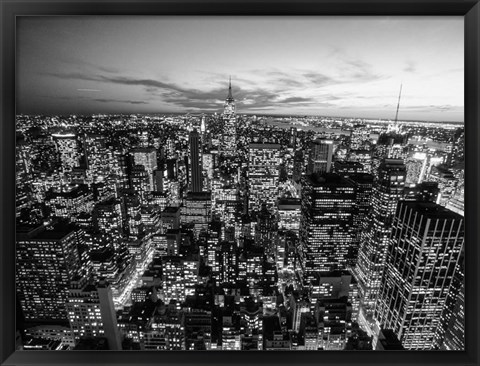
point(263, 175)
point(320, 156)
point(455, 335)
point(228, 145)
point(46, 263)
point(69, 150)
point(146, 157)
point(102, 165)
point(197, 210)
point(91, 312)
point(69, 202)
point(289, 212)
point(363, 183)
point(326, 226)
point(388, 189)
point(196, 184)
point(422, 257)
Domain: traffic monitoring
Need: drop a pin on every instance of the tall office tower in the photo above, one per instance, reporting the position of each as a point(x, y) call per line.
point(453, 316)
point(229, 137)
point(140, 181)
point(423, 253)
point(298, 166)
point(107, 218)
point(320, 157)
point(68, 148)
point(47, 262)
point(388, 189)
point(146, 157)
point(196, 184)
point(91, 312)
point(363, 183)
point(102, 165)
point(263, 175)
point(455, 336)
point(326, 226)
point(197, 210)
point(266, 231)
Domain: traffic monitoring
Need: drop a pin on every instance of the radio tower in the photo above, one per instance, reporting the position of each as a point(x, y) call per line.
point(395, 124)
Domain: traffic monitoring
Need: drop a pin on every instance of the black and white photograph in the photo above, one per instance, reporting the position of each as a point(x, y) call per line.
point(254, 183)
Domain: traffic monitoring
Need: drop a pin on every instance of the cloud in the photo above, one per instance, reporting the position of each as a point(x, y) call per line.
point(119, 101)
point(358, 71)
point(297, 100)
point(318, 78)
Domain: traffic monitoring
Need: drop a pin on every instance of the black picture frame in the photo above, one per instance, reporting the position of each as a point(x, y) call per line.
point(10, 9)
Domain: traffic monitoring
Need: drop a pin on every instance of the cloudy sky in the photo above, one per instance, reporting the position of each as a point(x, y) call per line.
point(334, 66)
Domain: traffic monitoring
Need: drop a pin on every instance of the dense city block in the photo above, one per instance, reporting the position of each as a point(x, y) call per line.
point(225, 231)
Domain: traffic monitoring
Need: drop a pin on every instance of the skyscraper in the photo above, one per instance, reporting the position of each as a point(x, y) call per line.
point(196, 184)
point(320, 157)
point(47, 262)
point(197, 210)
point(263, 175)
point(423, 253)
point(388, 189)
point(363, 183)
point(91, 312)
point(146, 157)
point(326, 226)
point(68, 149)
point(229, 137)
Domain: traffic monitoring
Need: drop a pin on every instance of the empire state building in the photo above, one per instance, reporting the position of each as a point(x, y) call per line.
point(229, 139)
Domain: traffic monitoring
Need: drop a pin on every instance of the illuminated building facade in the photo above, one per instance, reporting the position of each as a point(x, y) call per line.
point(47, 262)
point(263, 175)
point(388, 189)
point(91, 313)
point(320, 156)
point(422, 257)
point(196, 184)
point(229, 136)
point(146, 157)
point(69, 150)
point(326, 227)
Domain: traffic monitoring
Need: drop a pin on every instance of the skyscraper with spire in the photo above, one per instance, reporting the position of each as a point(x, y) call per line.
point(229, 137)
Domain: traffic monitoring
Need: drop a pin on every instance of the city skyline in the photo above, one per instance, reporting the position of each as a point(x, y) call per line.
point(88, 65)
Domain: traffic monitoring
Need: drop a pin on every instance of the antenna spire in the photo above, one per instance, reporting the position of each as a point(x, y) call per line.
point(230, 97)
point(398, 104)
